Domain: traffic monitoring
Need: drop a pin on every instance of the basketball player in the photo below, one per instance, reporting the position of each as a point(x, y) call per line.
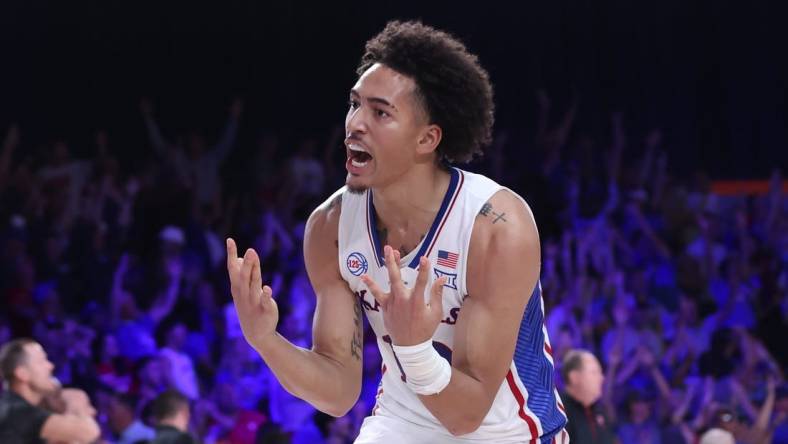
point(444, 263)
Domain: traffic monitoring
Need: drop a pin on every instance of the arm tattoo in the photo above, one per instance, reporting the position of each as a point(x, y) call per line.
point(487, 210)
point(356, 343)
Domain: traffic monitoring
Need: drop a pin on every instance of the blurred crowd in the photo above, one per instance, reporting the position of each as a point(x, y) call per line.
point(118, 271)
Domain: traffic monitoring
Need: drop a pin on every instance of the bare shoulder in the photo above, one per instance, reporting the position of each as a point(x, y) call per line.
point(504, 244)
point(321, 237)
point(505, 217)
point(324, 220)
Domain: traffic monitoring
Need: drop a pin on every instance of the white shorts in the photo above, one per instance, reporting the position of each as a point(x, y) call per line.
point(388, 430)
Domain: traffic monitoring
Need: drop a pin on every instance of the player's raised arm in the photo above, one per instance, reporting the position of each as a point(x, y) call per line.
point(329, 375)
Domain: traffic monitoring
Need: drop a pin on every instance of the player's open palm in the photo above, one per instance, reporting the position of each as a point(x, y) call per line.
point(408, 318)
point(257, 310)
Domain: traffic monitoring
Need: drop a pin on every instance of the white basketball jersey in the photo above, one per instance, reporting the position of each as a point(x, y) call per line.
point(527, 408)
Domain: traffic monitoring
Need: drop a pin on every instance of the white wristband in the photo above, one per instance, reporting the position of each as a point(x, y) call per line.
point(426, 372)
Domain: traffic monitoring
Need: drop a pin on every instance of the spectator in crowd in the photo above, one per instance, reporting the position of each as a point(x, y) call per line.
point(195, 165)
point(221, 417)
point(178, 366)
point(151, 380)
point(135, 328)
point(172, 412)
point(640, 425)
point(583, 379)
point(125, 423)
point(27, 379)
point(112, 370)
point(717, 436)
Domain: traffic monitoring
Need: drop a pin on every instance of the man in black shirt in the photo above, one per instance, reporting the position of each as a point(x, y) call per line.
point(583, 379)
point(27, 379)
point(171, 412)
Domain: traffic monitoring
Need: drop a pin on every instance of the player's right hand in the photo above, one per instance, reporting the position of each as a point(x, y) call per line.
point(257, 311)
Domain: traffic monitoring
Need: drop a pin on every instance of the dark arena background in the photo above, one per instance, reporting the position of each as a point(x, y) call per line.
point(649, 138)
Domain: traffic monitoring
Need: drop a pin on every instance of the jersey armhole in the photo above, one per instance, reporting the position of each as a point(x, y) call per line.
point(342, 228)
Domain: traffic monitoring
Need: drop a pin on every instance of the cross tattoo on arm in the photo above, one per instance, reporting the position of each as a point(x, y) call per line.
point(487, 210)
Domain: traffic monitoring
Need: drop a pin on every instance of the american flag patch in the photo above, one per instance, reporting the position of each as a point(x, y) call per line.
point(447, 259)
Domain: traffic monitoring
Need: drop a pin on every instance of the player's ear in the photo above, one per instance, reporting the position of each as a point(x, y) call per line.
point(429, 139)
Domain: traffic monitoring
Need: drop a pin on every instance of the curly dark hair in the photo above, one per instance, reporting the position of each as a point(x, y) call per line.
point(453, 88)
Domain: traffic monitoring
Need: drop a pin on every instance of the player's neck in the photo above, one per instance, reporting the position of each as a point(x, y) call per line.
point(413, 199)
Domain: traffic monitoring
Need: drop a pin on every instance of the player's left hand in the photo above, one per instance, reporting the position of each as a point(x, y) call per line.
point(406, 316)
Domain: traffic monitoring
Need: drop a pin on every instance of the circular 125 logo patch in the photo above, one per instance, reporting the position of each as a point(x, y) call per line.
point(357, 264)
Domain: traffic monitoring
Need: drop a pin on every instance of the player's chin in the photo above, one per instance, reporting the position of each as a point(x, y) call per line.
point(356, 184)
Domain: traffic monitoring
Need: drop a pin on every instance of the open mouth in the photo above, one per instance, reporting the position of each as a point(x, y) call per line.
point(358, 156)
